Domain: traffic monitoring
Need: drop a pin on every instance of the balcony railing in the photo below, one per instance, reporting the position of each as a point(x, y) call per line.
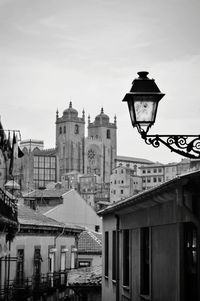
point(8, 207)
point(21, 289)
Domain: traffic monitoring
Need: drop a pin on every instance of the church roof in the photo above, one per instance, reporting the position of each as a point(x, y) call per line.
point(102, 118)
point(70, 112)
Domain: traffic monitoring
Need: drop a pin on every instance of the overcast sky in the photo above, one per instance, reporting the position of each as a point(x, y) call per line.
point(89, 51)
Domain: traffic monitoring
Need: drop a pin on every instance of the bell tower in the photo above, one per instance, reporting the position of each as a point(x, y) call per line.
point(70, 133)
point(101, 146)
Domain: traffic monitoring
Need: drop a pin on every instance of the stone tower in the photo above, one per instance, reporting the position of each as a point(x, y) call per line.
point(70, 133)
point(101, 146)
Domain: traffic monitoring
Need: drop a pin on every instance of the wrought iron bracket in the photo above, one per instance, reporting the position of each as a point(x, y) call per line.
point(185, 145)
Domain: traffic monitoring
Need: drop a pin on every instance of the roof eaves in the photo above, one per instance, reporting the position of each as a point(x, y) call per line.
point(137, 198)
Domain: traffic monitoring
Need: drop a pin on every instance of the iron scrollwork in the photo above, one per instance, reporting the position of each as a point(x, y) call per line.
point(185, 145)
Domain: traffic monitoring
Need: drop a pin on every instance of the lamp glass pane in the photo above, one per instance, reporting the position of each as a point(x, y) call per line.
point(145, 111)
point(131, 111)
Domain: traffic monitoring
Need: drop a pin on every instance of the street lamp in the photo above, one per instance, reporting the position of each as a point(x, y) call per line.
point(143, 100)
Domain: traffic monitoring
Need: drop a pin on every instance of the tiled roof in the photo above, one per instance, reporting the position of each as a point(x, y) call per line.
point(133, 159)
point(85, 276)
point(90, 242)
point(46, 193)
point(30, 217)
point(27, 216)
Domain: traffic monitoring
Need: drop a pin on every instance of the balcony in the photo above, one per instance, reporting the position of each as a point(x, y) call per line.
point(36, 286)
point(8, 209)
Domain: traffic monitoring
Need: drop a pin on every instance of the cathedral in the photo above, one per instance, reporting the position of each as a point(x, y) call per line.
point(73, 151)
point(94, 154)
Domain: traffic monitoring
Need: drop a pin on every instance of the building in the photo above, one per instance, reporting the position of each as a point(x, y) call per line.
point(150, 249)
point(73, 152)
point(31, 144)
point(89, 249)
point(152, 175)
point(36, 169)
point(8, 229)
point(70, 134)
point(41, 256)
point(101, 147)
point(64, 206)
point(86, 283)
point(124, 182)
point(132, 162)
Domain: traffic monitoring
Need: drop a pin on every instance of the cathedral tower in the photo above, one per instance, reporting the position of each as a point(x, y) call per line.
point(101, 146)
point(70, 133)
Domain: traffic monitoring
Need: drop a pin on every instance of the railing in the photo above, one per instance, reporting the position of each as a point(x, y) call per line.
point(21, 289)
point(8, 207)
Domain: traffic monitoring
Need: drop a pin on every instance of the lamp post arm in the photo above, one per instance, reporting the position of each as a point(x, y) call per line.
point(185, 145)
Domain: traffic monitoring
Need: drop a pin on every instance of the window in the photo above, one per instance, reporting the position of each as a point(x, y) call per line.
point(76, 129)
point(64, 129)
point(97, 227)
point(159, 180)
point(127, 165)
point(115, 182)
point(108, 134)
point(20, 266)
point(122, 191)
point(114, 258)
point(60, 130)
point(116, 171)
point(122, 171)
point(149, 171)
point(155, 180)
point(160, 170)
point(149, 180)
point(83, 264)
point(37, 263)
point(126, 260)
point(155, 170)
point(122, 181)
point(191, 261)
point(144, 171)
point(144, 264)
point(106, 245)
point(114, 191)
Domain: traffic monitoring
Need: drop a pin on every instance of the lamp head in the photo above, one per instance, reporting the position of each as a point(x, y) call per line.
point(143, 100)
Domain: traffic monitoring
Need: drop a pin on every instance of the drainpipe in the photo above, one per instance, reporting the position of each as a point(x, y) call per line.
point(117, 257)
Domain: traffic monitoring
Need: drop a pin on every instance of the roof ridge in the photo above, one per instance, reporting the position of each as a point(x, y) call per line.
point(94, 237)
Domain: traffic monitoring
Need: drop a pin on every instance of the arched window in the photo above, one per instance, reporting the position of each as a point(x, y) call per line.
point(76, 129)
point(108, 134)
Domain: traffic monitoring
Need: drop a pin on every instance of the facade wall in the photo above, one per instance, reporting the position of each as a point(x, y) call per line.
point(123, 183)
point(90, 259)
point(29, 242)
point(70, 133)
point(164, 223)
point(75, 211)
point(152, 175)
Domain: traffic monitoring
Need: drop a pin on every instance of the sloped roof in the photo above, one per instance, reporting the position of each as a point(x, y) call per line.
point(31, 217)
point(133, 159)
point(46, 193)
point(139, 199)
point(90, 242)
point(85, 276)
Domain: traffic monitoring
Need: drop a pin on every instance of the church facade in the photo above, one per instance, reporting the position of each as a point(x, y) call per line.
point(73, 152)
point(94, 154)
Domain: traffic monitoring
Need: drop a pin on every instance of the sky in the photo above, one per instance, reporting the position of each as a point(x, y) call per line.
point(88, 52)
